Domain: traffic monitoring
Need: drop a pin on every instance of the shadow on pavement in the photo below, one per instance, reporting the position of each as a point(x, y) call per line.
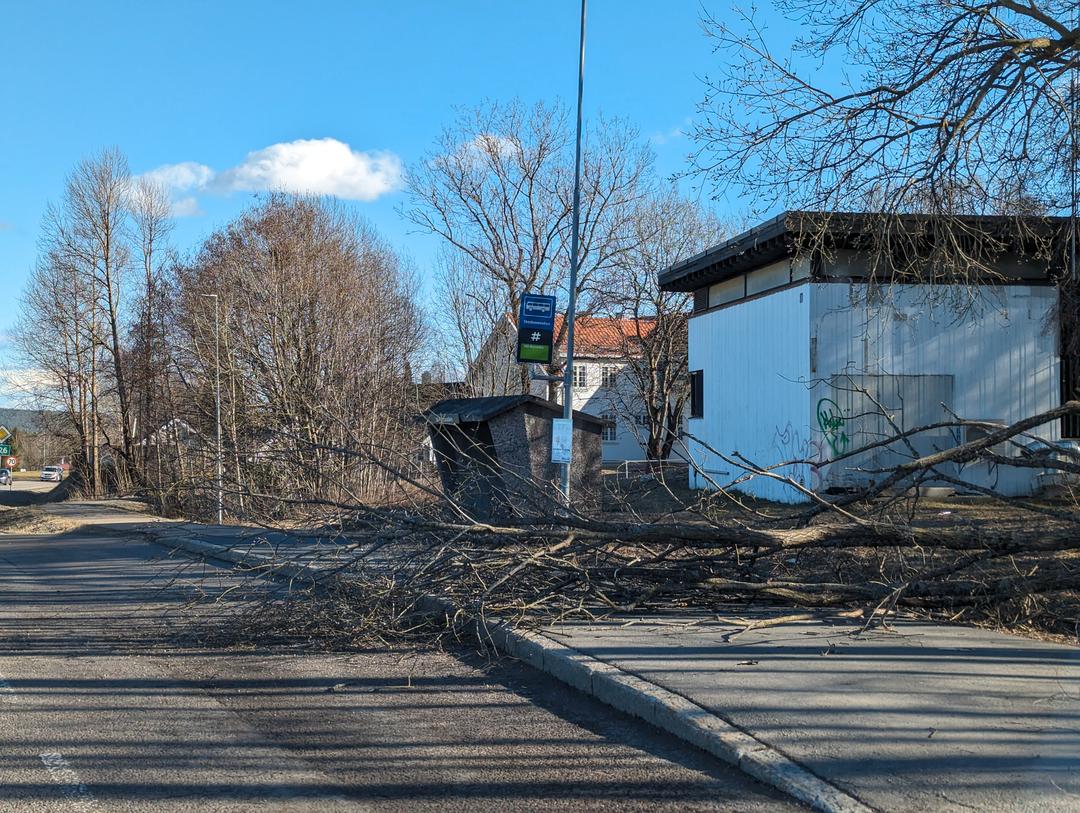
point(94, 665)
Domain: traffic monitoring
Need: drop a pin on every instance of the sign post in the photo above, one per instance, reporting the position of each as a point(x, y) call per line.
point(536, 328)
point(575, 226)
point(562, 440)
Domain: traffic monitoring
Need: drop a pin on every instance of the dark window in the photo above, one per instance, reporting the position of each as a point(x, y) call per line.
point(581, 376)
point(1070, 391)
point(1070, 361)
point(697, 394)
point(701, 299)
point(610, 433)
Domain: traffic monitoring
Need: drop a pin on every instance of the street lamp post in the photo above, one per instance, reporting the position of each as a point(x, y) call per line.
point(217, 406)
point(571, 307)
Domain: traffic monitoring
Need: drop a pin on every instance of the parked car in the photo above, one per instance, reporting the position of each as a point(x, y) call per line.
point(53, 473)
point(5, 477)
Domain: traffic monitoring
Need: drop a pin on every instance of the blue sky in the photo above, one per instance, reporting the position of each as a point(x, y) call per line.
point(212, 82)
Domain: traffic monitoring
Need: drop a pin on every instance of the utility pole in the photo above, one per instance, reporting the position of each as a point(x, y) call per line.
point(571, 307)
point(217, 406)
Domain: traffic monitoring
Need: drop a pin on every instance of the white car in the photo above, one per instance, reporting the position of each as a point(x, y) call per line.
point(52, 473)
point(5, 477)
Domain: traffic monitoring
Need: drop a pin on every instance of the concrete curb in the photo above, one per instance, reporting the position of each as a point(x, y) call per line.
point(626, 692)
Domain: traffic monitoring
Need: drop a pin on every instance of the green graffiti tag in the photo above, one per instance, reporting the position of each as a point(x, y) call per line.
point(832, 422)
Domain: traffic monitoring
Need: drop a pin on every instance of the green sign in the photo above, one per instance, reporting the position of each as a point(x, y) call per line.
point(5, 449)
point(536, 328)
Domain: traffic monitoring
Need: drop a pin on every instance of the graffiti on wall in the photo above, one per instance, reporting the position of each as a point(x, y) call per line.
point(833, 425)
point(808, 454)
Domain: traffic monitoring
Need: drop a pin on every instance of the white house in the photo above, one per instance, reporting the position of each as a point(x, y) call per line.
point(601, 386)
point(791, 352)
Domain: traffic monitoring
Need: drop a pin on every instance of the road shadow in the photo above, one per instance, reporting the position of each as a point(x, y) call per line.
point(96, 633)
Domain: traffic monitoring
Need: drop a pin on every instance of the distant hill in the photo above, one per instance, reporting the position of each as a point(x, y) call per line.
point(28, 420)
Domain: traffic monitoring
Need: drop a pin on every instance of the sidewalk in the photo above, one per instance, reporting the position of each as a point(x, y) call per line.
point(919, 717)
point(923, 717)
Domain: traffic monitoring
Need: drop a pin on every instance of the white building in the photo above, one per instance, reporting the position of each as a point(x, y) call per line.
point(791, 351)
point(601, 386)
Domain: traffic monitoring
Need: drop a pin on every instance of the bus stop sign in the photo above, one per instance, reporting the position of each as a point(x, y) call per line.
point(536, 328)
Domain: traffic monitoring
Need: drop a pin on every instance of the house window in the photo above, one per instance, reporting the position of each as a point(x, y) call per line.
point(609, 377)
point(697, 394)
point(701, 299)
point(610, 432)
point(643, 419)
point(581, 376)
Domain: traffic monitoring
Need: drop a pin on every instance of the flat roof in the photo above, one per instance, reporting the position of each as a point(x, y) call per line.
point(779, 238)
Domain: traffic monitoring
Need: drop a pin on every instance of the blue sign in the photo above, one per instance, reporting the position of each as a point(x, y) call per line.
point(537, 311)
point(536, 329)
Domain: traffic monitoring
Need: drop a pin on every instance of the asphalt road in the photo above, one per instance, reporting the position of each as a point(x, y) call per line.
point(103, 707)
point(24, 492)
point(31, 485)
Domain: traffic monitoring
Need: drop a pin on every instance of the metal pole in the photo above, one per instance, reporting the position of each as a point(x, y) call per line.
point(217, 399)
point(571, 307)
point(1073, 90)
point(217, 407)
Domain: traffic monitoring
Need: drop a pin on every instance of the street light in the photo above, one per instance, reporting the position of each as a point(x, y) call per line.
point(217, 406)
point(571, 307)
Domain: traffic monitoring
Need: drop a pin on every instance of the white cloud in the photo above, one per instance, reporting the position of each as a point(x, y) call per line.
point(487, 148)
point(318, 166)
point(323, 166)
point(24, 388)
point(181, 177)
point(186, 207)
point(674, 134)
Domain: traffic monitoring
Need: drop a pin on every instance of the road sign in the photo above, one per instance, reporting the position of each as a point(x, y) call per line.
point(562, 431)
point(10, 462)
point(536, 328)
point(5, 433)
point(5, 449)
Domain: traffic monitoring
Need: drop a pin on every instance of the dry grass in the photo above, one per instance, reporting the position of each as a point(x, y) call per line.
point(32, 521)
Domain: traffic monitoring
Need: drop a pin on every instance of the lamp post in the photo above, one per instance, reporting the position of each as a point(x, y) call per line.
point(217, 405)
point(571, 307)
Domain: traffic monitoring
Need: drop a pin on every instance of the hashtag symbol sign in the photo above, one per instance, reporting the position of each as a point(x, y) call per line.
point(535, 336)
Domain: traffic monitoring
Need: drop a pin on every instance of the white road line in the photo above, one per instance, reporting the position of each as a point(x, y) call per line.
point(74, 789)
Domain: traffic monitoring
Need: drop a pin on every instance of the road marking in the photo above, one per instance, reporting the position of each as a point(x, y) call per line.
point(73, 788)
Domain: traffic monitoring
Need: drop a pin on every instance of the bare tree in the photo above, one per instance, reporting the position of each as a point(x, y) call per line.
point(56, 304)
point(149, 205)
point(75, 293)
point(96, 202)
point(318, 334)
point(497, 188)
point(665, 229)
point(925, 98)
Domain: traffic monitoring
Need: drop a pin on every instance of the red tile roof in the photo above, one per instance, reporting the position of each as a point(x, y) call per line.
point(604, 337)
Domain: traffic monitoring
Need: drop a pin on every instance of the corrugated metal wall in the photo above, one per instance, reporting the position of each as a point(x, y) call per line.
point(865, 411)
point(768, 363)
point(755, 357)
point(1000, 350)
